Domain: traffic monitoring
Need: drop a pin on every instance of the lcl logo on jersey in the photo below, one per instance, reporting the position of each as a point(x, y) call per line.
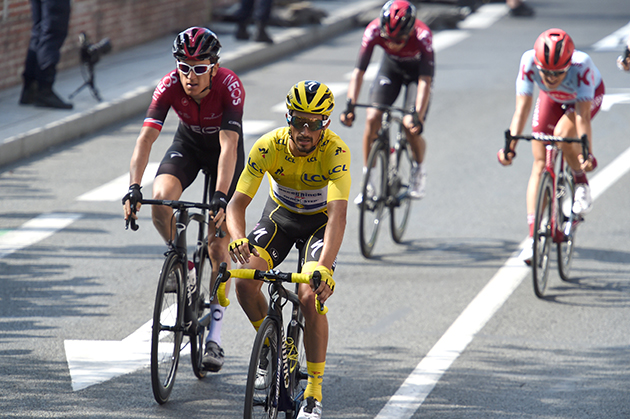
point(253, 167)
point(314, 179)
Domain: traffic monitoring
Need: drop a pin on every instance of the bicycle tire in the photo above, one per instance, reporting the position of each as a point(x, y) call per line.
point(399, 186)
point(203, 276)
point(565, 195)
point(167, 334)
point(297, 361)
point(261, 401)
point(543, 235)
point(374, 190)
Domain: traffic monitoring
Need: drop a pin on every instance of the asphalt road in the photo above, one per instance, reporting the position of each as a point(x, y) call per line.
point(561, 357)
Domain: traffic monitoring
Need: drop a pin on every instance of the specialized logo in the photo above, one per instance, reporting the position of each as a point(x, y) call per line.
point(176, 154)
point(384, 81)
point(316, 246)
point(259, 233)
point(180, 227)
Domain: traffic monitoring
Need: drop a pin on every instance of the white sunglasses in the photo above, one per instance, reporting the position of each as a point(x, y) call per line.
point(199, 69)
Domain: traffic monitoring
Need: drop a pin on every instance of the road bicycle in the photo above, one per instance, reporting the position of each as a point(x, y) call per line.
point(182, 300)
point(387, 180)
point(277, 367)
point(555, 221)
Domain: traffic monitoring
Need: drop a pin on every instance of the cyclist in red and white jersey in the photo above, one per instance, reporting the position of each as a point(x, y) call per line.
point(209, 102)
point(571, 91)
point(623, 61)
point(408, 60)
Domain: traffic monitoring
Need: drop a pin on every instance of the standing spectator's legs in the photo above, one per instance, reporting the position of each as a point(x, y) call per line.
point(263, 12)
point(242, 17)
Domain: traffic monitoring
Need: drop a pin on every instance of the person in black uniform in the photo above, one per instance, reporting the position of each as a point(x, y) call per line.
point(50, 28)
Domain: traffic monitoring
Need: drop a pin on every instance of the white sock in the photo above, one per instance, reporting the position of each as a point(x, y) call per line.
point(214, 329)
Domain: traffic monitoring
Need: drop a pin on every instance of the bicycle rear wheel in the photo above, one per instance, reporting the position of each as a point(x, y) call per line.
point(565, 194)
point(374, 191)
point(261, 390)
point(543, 235)
point(203, 269)
point(166, 338)
point(400, 168)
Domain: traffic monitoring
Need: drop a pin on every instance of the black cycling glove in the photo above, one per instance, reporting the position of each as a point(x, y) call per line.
point(219, 200)
point(349, 107)
point(133, 196)
point(416, 121)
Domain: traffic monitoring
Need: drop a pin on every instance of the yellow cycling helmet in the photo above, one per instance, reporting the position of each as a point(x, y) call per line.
point(311, 97)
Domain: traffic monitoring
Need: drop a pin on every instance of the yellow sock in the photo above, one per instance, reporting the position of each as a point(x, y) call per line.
point(257, 324)
point(315, 378)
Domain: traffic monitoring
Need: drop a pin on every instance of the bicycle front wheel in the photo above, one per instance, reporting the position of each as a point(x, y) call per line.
point(402, 164)
point(296, 355)
point(543, 234)
point(166, 338)
point(261, 391)
point(197, 340)
point(565, 194)
point(374, 191)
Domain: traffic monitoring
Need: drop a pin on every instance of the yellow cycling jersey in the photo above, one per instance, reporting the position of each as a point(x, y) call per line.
point(300, 184)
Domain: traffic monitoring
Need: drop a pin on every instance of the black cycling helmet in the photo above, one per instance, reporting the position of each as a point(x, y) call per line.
point(398, 18)
point(197, 43)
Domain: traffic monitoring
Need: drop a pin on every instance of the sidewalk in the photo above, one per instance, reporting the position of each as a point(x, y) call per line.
point(126, 79)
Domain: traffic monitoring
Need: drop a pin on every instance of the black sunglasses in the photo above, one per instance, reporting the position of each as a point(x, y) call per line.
point(299, 122)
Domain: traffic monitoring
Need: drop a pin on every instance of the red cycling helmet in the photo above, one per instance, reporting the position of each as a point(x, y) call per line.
point(398, 18)
point(196, 43)
point(553, 50)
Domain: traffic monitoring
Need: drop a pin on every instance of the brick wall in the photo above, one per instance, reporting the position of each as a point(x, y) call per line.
point(125, 22)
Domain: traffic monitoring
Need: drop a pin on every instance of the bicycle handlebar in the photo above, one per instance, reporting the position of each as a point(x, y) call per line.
point(268, 276)
point(384, 108)
point(544, 137)
point(179, 205)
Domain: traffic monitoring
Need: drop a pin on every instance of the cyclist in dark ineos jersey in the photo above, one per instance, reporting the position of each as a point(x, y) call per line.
point(408, 60)
point(209, 102)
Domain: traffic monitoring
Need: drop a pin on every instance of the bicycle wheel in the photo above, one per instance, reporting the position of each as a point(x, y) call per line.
point(400, 169)
point(166, 338)
point(565, 194)
point(261, 390)
point(296, 355)
point(204, 273)
point(374, 191)
point(543, 235)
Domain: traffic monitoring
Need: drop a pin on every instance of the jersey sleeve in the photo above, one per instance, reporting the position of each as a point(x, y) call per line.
point(525, 79)
point(427, 61)
point(587, 76)
point(260, 158)
point(233, 102)
point(339, 179)
point(160, 102)
point(368, 42)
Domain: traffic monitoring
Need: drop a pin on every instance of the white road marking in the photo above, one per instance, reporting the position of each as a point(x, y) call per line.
point(95, 361)
point(117, 188)
point(611, 99)
point(484, 17)
point(257, 127)
point(34, 230)
point(614, 41)
point(428, 372)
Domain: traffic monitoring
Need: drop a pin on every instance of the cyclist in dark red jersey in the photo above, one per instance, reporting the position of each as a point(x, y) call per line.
point(209, 102)
point(408, 60)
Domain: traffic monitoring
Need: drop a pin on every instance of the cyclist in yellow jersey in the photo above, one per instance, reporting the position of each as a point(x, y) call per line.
point(308, 167)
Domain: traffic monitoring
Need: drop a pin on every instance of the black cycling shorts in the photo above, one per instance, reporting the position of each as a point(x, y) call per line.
point(279, 229)
point(391, 76)
point(184, 161)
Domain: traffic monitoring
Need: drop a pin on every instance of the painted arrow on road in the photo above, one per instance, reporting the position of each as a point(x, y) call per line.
point(95, 361)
